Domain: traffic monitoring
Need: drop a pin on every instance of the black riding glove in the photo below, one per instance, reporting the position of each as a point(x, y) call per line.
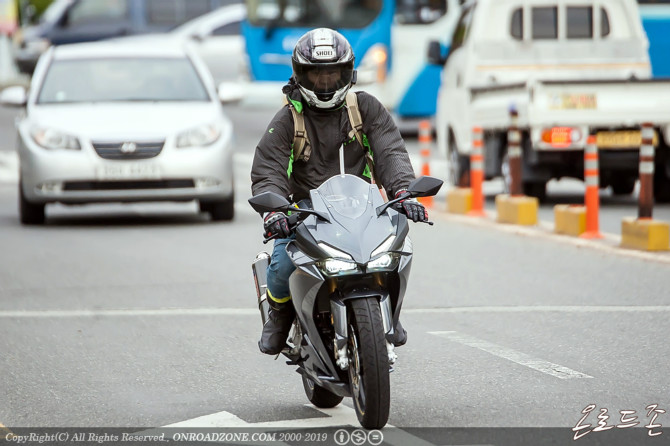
point(412, 208)
point(276, 224)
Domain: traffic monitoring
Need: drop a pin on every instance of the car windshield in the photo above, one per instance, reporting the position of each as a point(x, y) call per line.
point(122, 79)
point(347, 194)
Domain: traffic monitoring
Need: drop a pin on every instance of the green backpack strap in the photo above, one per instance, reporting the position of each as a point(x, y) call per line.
point(356, 122)
point(301, 146)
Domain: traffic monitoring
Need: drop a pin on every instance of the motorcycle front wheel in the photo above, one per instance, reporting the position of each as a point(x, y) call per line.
point(369, 366)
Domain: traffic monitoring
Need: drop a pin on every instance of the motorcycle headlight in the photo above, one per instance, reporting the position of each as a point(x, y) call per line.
point(385, 261)
point(53, 139)
point(337, 266)
point(203, 135)
point(340, 263)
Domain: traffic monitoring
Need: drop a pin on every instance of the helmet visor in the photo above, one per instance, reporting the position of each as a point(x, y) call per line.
point(324, 79)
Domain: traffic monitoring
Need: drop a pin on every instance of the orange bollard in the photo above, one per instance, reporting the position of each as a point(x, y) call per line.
point(477, 173)
point(592, 195)
point(646, 197)
point(425, 143)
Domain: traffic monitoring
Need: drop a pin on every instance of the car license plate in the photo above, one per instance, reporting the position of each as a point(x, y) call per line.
point(573, 101)
point(622, 139)
point(128, 171)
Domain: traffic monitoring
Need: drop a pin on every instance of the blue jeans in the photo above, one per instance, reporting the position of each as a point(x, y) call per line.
point(278, 272)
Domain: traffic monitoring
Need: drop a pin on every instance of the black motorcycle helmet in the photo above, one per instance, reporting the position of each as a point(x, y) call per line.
point(323, 67)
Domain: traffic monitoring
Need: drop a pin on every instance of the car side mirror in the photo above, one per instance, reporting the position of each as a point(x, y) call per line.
point(435, 53)
point(15, 96)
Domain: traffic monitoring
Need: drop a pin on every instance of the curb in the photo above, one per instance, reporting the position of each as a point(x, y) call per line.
point(545, 230)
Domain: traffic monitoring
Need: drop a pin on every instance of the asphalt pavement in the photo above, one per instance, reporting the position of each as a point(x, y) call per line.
point(144, 315)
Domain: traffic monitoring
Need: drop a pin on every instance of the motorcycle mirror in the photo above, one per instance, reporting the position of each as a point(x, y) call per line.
point(421, 187)
point(268, 202)
point(425, 187)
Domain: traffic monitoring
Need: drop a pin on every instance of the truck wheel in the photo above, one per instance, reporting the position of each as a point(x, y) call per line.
point(623, 186)
point(537, 189)
point(459, 172)
point(661, 178)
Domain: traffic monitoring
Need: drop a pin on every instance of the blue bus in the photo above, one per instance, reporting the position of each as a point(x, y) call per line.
point(655, 15)
point(389, 38)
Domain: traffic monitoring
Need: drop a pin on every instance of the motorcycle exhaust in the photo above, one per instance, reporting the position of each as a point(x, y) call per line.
point(259, 268)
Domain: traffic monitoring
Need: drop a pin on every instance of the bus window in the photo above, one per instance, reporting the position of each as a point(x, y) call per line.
point(419, 11)
point(313, 13)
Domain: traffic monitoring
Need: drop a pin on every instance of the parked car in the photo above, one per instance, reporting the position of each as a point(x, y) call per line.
point(74, 21)
point(122, 122)
point(216, 37)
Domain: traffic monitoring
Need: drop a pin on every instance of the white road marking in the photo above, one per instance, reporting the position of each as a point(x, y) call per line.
point(124, 312)
point(543, 308)
point(338, 416)
point(131, 312)
point(540, 365)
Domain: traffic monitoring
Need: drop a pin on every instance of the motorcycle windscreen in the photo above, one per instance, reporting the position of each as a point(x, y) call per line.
point(347, 196)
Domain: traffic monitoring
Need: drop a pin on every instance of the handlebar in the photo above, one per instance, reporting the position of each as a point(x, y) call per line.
point(293, 221)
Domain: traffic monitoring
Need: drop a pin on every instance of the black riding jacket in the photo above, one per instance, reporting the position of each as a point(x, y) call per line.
point(275, 170)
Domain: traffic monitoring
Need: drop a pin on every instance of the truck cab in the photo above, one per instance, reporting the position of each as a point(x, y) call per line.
point(507, 47)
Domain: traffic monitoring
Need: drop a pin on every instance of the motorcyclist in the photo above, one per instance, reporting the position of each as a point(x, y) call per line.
point(323, 73)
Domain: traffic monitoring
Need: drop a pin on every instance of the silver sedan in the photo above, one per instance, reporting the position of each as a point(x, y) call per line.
point(115, 122)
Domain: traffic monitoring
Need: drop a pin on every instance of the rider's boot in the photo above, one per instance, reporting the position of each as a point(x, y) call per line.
point(276, 327)
point(399, 335)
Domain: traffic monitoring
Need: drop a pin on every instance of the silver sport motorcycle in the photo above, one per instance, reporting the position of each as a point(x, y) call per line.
point(353, 258)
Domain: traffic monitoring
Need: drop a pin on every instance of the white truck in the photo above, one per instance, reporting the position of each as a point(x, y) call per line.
point(570, 69)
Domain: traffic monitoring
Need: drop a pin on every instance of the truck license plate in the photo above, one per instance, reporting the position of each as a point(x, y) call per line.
point(128, 171)
point(622, 139)
point(573, 101)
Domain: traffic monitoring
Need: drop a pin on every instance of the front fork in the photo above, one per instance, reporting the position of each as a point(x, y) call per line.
point(339, 312)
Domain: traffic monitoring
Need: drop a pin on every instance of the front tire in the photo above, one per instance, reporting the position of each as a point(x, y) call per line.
point(223, 210)
point(319, 396)
point(29, 213)
point(369, 367)
point(459, 168)
point(623, 186)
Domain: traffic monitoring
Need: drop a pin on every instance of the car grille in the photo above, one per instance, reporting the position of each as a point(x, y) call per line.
point(128, 150)
point(127, 185)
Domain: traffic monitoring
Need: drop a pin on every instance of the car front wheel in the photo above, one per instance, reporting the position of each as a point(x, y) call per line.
point(30, 213)
point(223, 210)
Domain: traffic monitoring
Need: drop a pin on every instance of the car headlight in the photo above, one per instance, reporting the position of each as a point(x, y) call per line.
point(203, 135)
point(53, 139)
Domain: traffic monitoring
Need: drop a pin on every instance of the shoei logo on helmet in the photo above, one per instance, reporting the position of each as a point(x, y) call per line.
point(321, 53)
